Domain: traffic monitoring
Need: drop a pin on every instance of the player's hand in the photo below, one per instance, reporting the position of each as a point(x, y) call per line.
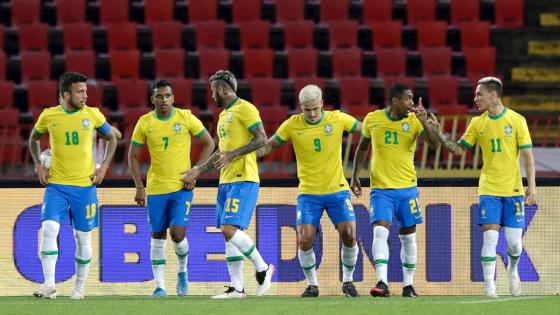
point(99, 174)
point(356, 187)
point(223, 161)
point(190, 186)
point(432, 122)
point(43, 174)
point(420, 111)
point(140, 197)
point(190, 177)
point(531, 196)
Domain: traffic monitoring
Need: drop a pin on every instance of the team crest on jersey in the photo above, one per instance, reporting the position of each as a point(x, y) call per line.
point(85, 123)
point(406, 127)
point(328, 129)
point(177, 127)
point(509, 130)
point(229, 117)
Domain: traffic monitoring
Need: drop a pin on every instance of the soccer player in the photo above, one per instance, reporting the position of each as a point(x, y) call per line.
point(167, 132)
point(70, 181)
point(240, 133)
point(502, 134)
point(317, 139)
point(393, 133)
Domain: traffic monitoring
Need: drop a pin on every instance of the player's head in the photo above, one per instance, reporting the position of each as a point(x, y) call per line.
point(73, 89)
point(311, 102)
point(488, 93)
point(162, 97)
point(400, 99)
point(224, 86)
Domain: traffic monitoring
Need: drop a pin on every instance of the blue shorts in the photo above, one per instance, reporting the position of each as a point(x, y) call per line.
point(338, 205)
point(81, 201)
point(505, 211)
point(402, 203)
point(169, 209)
point(236, 203)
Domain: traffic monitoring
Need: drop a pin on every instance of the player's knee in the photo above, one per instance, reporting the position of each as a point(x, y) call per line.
point(159, 235)
point(82, 238)
point(305, 243)
point(228, 231)
point(348, 237)
point(177, 236)
point(50, 228)
point(382, 223)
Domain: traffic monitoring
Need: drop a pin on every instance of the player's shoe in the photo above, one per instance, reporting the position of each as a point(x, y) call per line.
point(311, 291)
point(45, 291)
point(182, 283)
point(490, 293)
point(159, 293)
point(263, 279)
point(381, 289)
point(349, 289)
point(409, 291)
point(514, 282)
point(231, 293)
point(77, 294)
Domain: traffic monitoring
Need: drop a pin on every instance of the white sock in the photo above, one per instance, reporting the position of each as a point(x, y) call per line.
point(182, 252)
point(83, 257)
point(309, 265)
point(514, 246)
point(348, 255)
point(408, 257)
point(234, 259)
point(157, 255)
point(244, 243)
point(488, 258)
point(49, 250)
point(380, 250)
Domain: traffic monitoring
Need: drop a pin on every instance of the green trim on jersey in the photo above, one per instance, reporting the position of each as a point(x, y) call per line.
point(165, 118)
point(232, 103)
point(527, 146)
point(39, 133)
point(200, 133)
point(137, 143)
point(499, 115)
point(277, 137)
point(354, 126)
point(315, 123)
point(255, 125)
point(69, 112)
point(388, 115)
point(465, 143)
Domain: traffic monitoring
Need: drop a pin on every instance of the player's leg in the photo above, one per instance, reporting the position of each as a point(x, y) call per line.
point(180, 210)
point(382, 207)
point(309, 211)
point(514, 222)
point(157, 207)
point(489, 217)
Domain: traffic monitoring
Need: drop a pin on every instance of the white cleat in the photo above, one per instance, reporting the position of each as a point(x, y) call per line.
point(77, 294)
point(231, 293)
point(491, 293)
point(45, 291)
point(514, 283)
point(263, 279)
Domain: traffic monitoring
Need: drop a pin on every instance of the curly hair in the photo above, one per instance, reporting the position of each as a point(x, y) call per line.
point(225, 76)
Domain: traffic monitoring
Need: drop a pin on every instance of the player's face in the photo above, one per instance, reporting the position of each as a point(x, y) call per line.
point(484, 98)
point(216, 90)
point(312, 110)
point(163, 99)
point(78, 95)
point(404, 103)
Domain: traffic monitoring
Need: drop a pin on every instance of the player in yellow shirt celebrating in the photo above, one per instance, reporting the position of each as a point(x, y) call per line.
point(71, 178)
point(393, 133)
point(241, 133)
point(502, 134)
point(167, 131)
point(317, 139)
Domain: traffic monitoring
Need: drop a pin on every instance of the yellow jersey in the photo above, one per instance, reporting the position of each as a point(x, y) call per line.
point(235, 124)
point(500, 138)
point(169, 143)
point(71, 140)
point(393, 142)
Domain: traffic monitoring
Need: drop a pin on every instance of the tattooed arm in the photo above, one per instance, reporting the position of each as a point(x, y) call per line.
point(259, 139)
point(454, 147)
point(272, 144)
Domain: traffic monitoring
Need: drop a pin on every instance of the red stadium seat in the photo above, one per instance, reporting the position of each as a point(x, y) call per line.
point(10, 140)
point(443, 91)
point(33, 37)
point(254, 34)
point(436, 61)
point(25, 12)
point(6, 94)
point(41, 93)
point(202, 10)
point(170, 63)
point(245, 10)
point(475, 34)
point(2, 30)
point(212, 60)
point(113, 11)
point(360, 111)
point(391, 62)
point(121, 36)
point(302, 62)
point(158, 11)
point(386, 34)
point(78, 36)
point(266, 92)
point(272, 117)
point(354, 91)
point(2, 66)
point(132, 93)
point(431, 34)
point(388, 81)
point(70, 11)
point(454, 109)
point(166, 34)
point(377, 10)
point(258, 63)
point(290, 10)
point(343, 34)
point(35, 65)
point(210, 34)
point(94, 93)
point(82, 61)
point(464, 11)
point(346, 62)
point(124, 64)
point(481, 62)
point(509, 13)
point(182, 91)
point(420, 10)
point(334, 10)
point(298, 34)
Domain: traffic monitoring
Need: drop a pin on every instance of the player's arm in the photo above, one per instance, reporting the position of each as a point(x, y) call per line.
point(208, 147)
point(531, 195)
point(429, 124)
point(455, 147)
point(258, 140)
point(117, 132)
point(110, 149)
point(359, 158)
point(35, 152)
point(272, 144)
point(134, 154)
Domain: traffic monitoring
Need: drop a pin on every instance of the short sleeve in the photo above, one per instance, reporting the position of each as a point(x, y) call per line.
point(419, 127)
point(365, 127)
point(250, 117)
point(196, 128)
point(523, 135)
point(470, 137)
point(138, 136)
point(283, 132)
point(348, 122)
point(41, 124)
point(100, 122)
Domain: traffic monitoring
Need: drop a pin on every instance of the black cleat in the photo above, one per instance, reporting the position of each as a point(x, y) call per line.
point(349, 289)
point(381, 289)
point(311, 291)
point(409, 291)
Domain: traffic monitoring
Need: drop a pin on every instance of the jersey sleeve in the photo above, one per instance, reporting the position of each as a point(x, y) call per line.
point(138, 135)
point(365, 127)
point(470, 137)
point(283, 132)
point(100, 122)
point(250, 117)
point(348, 122)
point(41, 124)
point(523, 135)
point(418, 127)
point(196, 128)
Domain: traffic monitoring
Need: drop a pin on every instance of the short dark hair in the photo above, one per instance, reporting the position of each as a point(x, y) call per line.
point(492, 84)
point(226, 77)
point(397, 90)
point(156, 84)
point(67, 79)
